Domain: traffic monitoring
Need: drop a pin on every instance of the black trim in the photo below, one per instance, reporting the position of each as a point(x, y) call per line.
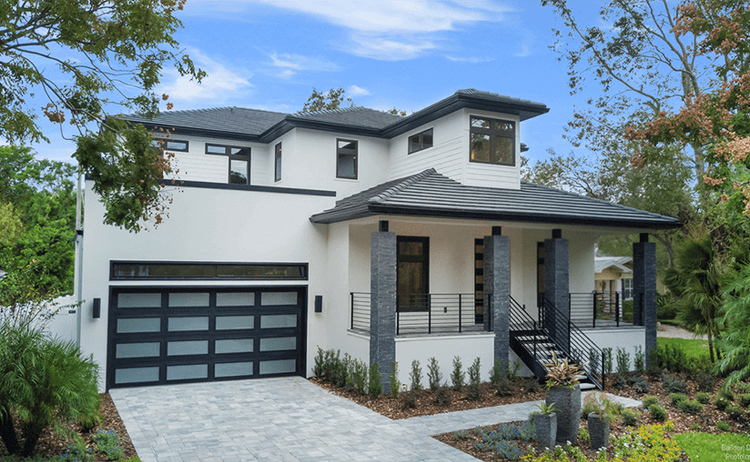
point(112, 277)
point(424, 259)
point(277, 162)
point(163, 146)
point(343, 152)
point(420, 138)
point(248, 187)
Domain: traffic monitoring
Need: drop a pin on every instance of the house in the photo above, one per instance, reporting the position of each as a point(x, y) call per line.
point(389, 238)
point(614, 275)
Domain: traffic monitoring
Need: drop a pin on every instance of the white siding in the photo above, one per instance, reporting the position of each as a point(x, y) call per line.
point(493, 176)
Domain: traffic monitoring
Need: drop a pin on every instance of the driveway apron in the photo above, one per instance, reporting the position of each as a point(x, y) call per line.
point(284, 419)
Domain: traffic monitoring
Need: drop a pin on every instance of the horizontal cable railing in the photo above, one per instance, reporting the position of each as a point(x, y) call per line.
point(437, 314)
point(586, 309)
point(359, 316)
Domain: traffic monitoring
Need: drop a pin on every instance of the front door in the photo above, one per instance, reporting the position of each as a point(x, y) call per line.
point(413, 273)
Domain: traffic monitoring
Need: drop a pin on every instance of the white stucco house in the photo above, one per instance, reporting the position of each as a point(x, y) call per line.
point(390, 238)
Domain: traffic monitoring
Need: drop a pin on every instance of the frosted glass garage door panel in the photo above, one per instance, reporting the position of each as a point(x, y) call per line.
point(137, 374)
point(192, 371)
point(188, 323)
point(191, 347)
point(233, 369)
point(281, 366)
point(278, 320)
point(137, 350)
point(235, 299)
point(181, 299)
point(278, 344)
point(278, 298)
point(240, 345)
point(235, 322)
point(133, 325)
point(139, 300)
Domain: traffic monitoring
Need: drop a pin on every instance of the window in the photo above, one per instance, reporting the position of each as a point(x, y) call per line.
point(277, 163)
point(420, 141)
point(493, 141)
point(627, 289)
point(412, 273)
point(239, 161)
point(346, 159)
point(171, 145)
point(188, 270)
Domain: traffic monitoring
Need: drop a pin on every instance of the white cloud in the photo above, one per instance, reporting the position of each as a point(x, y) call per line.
point(221, 84)
point(354, 90)
point(469, 59)
point(386, 48)
point(290, 64)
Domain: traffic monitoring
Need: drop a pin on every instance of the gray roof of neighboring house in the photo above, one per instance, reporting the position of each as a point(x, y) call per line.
point(265, 126)
point(431, 194)
point(602, 263)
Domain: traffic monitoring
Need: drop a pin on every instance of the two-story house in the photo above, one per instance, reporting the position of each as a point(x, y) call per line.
point(390, 238)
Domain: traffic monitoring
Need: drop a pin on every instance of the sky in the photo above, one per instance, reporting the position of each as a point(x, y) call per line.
point(405, 54)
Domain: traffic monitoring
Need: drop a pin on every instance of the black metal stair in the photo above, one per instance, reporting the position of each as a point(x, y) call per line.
point(533, 342)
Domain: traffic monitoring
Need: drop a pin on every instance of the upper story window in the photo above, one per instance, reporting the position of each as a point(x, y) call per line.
point(346, 159)
point(239, 161)
point(171, 145)
point(422, 140)
point(277, 163)
point(493, 141)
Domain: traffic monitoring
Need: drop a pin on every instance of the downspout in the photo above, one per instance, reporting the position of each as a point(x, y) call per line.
point(79, 258)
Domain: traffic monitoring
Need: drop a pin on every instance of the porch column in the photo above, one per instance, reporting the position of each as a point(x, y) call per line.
point(383, 302)
point(644, 290)
point(556, 287)
point(497, 291)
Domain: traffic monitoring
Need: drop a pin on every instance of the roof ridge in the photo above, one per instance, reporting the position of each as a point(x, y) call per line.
point(408, 181)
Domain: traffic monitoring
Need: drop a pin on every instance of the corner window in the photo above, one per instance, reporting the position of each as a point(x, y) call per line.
point(277, 163)
point(171, 145)
point(239, 161)
point(493, 141)
point(346, 159)
point(422, 140)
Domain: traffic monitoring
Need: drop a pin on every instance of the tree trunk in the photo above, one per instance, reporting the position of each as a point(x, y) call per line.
point(32, 433)
point(711, 346)
point(8, 433)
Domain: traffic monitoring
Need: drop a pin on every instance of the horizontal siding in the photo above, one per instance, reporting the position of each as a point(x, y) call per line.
point(445, 158)
point(202, 167)
point(493, 176)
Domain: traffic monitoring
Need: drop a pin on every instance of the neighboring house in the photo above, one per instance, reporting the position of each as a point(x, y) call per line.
point(389, 238)
point(614, 275)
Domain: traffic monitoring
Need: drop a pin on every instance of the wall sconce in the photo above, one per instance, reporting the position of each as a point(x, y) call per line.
point(318, 303)
point(97, 313)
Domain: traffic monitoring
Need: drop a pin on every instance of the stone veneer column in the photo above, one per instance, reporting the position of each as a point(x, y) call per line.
point(383, 302)
point(497, 290)
point(644, 290)
point(557, 286)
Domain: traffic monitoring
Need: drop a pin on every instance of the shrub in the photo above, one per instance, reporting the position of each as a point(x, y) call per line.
point(462, 435)
point(676, 398)
point(78, 452)
point(583, 436)
point(666, 307)
point(46, 381)
point(434, 377)
point(646, 443)
point(623, 361)
point(744, 400)
point(673, 384)
point(649, 400)
point(702, 397)
point(395, 384)
point(500, 378)
point(627, 310)
point(672, 358)
point(706, 381)
point(458, 375)
point(657, 412)
point(607, 360)
point(734, 411)
point(690, 406)
point(415, 376)
point(108, 443)
point(727, 394)
point(531, 385)
point(360, 376)
point(723, 426)
point(721, 403)
point(410, 399)
point(443, 396)
point(374, 386)
point(641, 385)
point(318, 368)
point(473, 391)
point(630, 417)
point(497, 372)
point(639, 360)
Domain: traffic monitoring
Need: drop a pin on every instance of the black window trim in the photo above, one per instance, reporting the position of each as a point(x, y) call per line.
point(493, 134)
point(425, 241)
point(228, 152)
point(304, 267)
point(356, 158)
point(162, 144)
point(277, 162)
point(422, 146)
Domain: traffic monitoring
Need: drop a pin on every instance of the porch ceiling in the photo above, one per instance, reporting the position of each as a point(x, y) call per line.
point(430, 194)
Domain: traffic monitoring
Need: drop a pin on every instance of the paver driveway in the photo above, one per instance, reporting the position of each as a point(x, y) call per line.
point(285, 419)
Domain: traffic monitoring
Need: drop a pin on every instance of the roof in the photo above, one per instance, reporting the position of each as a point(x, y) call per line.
point(431, 194)
point(265, 126)
point(602, 263)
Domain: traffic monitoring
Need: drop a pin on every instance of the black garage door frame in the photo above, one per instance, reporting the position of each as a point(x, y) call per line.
point(211, 334)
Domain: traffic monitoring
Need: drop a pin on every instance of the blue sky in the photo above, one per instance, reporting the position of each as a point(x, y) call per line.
point(401, 53)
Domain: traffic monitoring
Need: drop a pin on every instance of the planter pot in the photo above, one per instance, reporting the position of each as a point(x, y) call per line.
point(545, 426)
point(568, 402)
point(599, 430)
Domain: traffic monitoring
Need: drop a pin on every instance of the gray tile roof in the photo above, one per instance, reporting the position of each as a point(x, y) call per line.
point(354, 116)
point(432, 194)
point(250, 122)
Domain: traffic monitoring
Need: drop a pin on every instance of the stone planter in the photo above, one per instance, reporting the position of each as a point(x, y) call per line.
point(545, 426)
point(568, 402)
point(599, 430)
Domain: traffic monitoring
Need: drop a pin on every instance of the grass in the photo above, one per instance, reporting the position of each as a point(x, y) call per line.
point(692, 348)
point(708, 447)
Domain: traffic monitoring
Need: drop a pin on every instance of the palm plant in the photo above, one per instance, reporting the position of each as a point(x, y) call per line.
point(736, 341)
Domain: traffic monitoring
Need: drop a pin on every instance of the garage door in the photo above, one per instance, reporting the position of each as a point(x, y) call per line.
point(175, 335)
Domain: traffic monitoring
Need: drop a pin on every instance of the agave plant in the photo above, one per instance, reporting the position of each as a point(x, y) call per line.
point(562, 373)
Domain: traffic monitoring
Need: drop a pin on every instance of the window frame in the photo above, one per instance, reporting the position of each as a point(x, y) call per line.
point(421, 142)
point(228, 153)
point(340, 152)
point(162, 143)
point(494, 135)
point(277, 163)
point(417, 305)
point(117, 267)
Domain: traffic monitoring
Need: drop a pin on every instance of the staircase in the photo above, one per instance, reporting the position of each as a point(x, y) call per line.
point(533, 342)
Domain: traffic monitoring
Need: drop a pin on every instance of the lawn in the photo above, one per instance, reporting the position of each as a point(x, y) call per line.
point(693, 348)
point(708, 447)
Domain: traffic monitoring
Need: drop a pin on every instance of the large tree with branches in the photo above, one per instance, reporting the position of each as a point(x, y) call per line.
point(90, 60)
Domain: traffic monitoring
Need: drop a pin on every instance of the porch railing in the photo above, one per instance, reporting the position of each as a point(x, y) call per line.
point(424, 314)
point(596, 309)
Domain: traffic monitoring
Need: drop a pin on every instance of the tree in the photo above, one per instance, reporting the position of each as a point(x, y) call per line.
point(735, 343)
point(326, 101)
point(109, 56)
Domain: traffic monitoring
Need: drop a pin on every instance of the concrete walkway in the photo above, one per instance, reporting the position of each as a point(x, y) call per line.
point(285, 419)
